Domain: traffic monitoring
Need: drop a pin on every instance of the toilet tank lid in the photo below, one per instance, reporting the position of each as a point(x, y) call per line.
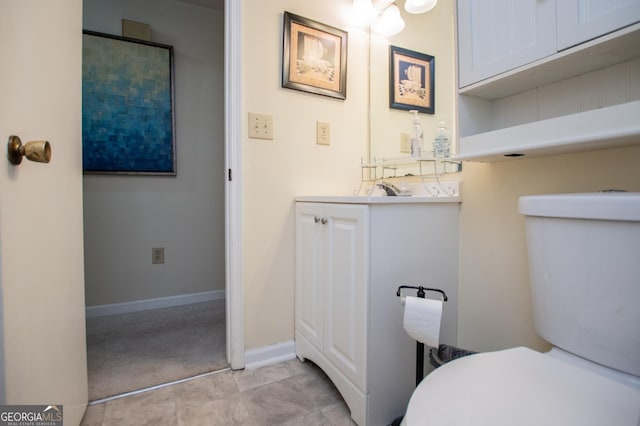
point(623, 206)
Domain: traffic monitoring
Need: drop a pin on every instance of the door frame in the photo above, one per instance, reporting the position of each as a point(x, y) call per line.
point(234, 285)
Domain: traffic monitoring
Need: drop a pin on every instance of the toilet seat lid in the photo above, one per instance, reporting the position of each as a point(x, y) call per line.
point(520, 386)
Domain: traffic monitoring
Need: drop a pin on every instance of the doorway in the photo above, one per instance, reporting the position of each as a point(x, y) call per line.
point(125, 217)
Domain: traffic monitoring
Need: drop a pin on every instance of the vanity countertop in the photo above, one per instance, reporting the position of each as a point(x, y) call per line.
point(377, 199)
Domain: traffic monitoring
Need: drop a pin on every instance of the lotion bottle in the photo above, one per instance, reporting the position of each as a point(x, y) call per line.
point(417, 135)
point(442, 142)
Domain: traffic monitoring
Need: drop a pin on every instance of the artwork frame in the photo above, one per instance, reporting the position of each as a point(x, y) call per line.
point(128, 106)
point(314, 57)
point(417, 90)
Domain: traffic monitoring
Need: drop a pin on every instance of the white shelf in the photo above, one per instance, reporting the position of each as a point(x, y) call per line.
point(608, 127)
point(424, 166)
point(406, 161)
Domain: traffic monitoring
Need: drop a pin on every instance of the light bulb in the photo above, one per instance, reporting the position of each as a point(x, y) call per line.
point(390, 22)
point(363, 12)
point(419, 6)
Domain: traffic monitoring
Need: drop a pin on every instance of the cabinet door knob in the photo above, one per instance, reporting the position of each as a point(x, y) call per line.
point(324, 221)
point(316, 219)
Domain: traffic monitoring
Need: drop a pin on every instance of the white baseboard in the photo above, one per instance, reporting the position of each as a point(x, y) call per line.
point(267, 355)
point(161, 302)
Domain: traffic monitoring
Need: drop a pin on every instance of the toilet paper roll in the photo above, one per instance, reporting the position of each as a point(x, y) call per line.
point(422, 320)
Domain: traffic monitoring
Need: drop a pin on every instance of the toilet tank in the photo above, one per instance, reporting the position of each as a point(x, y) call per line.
point(584, 263)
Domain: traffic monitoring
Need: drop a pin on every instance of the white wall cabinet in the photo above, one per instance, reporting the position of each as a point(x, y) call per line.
point(350, 260)
point(583, 20)
point(498, 35)
point(521, 93)
point(495, 36)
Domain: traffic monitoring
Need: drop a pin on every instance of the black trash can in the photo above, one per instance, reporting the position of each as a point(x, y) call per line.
point(445, 353)
point(438, 357)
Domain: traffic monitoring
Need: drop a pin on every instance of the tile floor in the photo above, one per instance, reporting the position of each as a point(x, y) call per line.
point(289, 393)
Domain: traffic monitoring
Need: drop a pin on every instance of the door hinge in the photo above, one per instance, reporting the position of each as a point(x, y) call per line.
point(229, 177)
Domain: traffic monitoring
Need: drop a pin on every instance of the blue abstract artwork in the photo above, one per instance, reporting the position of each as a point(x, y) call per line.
point(127, 106)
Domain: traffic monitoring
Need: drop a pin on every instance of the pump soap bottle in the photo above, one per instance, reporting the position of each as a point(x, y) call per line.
point(442, 142)
point(417, 136)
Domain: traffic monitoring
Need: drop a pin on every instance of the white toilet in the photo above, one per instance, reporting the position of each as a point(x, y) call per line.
point(584, 259)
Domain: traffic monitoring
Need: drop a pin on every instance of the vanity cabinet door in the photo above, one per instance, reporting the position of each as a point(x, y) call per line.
point(583, 20)
point(495, 36)
point(332, 251)
point(309, 272)
point(346, 276)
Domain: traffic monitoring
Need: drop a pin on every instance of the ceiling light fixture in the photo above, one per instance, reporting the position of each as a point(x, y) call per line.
point(385, 16)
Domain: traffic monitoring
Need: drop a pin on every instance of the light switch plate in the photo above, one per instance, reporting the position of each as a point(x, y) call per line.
point(323, 133)
point(260, 126)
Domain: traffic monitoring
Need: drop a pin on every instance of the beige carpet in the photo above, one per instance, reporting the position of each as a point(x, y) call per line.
point(133, 351)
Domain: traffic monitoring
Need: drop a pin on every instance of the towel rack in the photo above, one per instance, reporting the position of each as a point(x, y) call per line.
point(419, 345)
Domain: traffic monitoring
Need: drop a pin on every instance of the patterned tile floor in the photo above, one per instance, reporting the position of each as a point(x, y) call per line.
point(289, 393)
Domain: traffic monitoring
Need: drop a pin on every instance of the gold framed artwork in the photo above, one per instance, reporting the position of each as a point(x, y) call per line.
point(314, 57)
point(411, 80)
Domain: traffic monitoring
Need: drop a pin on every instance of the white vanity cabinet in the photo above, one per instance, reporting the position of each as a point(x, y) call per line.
point(330, 302)
point(352, 253)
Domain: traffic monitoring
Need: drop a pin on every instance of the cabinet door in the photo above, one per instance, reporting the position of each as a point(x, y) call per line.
point(495, 36)
point(583, 20)
point(309, 272)
point(347, 254)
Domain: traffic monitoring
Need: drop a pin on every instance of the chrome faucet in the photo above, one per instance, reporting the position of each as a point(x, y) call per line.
point(392, 190)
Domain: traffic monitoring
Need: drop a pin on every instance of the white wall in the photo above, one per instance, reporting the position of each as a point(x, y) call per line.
point(125, 216)
point(495, 310)
point(274, 172)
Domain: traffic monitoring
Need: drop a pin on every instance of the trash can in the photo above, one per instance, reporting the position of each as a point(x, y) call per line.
point(438, 357)
point(445, 353)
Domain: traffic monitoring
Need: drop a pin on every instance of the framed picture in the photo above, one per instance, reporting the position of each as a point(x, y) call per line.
point(314, 57)
point(411, 80)
point(128, 123)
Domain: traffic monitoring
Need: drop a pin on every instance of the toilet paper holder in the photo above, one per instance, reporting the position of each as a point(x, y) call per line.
point(419, 345)
point(421, 291)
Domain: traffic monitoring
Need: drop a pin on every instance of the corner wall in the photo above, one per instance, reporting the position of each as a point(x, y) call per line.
point(274, 172)
point(495, 310)
point(125, 216)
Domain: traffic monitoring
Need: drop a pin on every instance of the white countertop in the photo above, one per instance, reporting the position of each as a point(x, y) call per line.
point(421, 194)
point(376, 199)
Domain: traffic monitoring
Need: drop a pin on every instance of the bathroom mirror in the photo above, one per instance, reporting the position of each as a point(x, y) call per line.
point(430, 33)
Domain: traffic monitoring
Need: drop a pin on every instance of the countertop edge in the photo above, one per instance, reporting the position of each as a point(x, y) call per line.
point(375, 199)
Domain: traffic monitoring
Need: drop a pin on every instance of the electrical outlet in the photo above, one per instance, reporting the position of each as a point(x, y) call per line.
point(405, 143)
point(323, 135)
point(157, 255)
point(260, 126)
